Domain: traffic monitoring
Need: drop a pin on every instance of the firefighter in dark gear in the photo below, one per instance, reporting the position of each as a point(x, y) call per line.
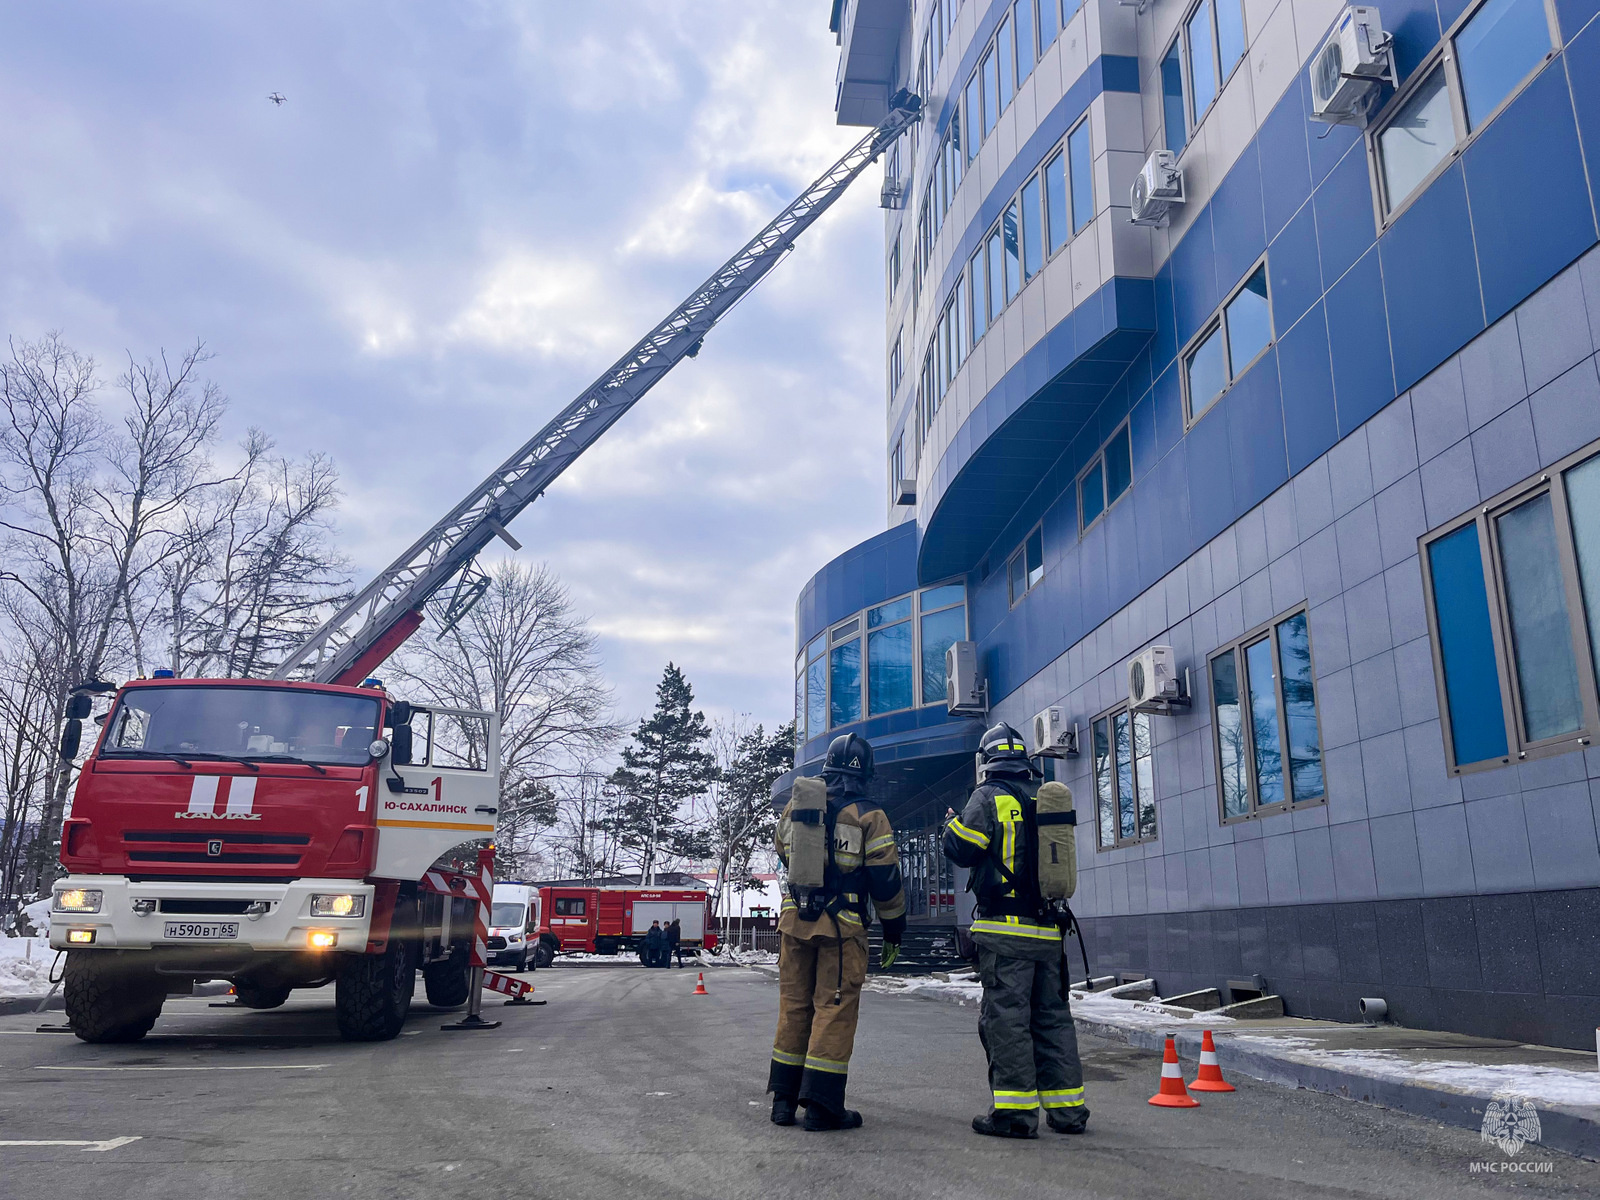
point(822, 959)
point(1024, 1022)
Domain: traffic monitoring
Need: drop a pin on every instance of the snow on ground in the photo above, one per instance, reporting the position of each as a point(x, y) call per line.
point(963, 987)
point(1538, 1083)
point(731, 956)
point(25, 966)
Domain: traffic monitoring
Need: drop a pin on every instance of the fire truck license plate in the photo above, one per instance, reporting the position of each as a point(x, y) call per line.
point(210, 931)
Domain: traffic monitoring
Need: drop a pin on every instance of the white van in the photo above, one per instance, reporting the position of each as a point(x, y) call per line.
point(513, 925)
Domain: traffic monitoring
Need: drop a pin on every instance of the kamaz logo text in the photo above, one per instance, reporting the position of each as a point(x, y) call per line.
point(203, 795)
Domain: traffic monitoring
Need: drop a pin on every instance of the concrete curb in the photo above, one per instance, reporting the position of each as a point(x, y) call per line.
point(10, 1006)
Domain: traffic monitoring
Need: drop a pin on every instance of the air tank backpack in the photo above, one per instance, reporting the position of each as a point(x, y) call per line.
point(1058, 842)
point(809, 845)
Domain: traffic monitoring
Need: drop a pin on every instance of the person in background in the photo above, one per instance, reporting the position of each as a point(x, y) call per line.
point(654, 940)
point(675, 943)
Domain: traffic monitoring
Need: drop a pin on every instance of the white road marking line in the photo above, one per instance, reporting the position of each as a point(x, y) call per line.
point(90, 1147)
point(261, 1067)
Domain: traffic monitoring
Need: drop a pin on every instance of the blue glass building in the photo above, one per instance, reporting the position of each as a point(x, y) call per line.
point(1330, 433)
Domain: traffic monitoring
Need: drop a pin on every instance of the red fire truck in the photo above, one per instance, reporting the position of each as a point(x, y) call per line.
point(606, 920)
point(270, 834)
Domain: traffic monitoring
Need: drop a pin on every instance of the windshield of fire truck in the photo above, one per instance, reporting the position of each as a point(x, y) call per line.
point(244, 722)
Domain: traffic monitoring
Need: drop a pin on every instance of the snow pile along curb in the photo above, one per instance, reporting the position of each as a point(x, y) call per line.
point(25, 966)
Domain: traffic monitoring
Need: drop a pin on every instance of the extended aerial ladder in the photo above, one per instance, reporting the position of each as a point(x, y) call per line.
point(363, 633)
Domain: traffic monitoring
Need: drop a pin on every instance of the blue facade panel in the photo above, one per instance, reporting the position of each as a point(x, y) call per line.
point(1419, 364)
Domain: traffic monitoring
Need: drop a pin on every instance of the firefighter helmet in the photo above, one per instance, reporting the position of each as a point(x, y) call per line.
point(849, 755)
point(1002, 750)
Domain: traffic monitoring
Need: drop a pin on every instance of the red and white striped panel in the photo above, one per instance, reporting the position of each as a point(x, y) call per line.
point(479, 887)
point(515, 988)
point(480, 934)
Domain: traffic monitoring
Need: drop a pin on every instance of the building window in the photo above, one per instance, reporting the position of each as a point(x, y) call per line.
point(1082, 167)
point(1032, 230)
point(1109, 474)
point(1264, 705)
point(811, 691)
point(1514, 609)
point(991, 93)
point(997, 277)
point(1008, 226)
point(1498, 47)
point(889, 657)
point(844, 673)
point(1026, 567)
point(1024, 23)
point(1228, 345)
point(1172, 117)
point(1055, 201)
point(974, 115)
point(1049, 24)
point(897, 368)
point(943, 614)
point(978, 288)
point(1124, 779)
point(1005, 51)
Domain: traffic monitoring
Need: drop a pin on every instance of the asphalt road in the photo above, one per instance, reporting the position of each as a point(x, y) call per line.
point(627, 1087)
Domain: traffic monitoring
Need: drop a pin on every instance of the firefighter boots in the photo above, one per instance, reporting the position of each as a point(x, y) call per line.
point(783, 1108)
point(1004, 1125)
point(820, 1119)
point(1073, 1120)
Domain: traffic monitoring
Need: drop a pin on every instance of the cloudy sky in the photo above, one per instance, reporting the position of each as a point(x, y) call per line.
point(463, 213)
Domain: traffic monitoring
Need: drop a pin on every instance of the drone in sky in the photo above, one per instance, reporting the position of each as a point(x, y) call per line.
point(277, 97)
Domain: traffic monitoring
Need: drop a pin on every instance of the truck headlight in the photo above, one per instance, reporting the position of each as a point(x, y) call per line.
point(515, 937)
point(77, 900)
point(342, 905)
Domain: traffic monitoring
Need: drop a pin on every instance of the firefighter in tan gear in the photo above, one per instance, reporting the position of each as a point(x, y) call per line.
point(840, 853)
point(1024, 1021)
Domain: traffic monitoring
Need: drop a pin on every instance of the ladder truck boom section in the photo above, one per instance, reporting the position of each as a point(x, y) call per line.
point(389, 609)
point(302, 830)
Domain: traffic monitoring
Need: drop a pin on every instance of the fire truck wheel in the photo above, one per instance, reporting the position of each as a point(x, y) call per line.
point(544, 954)
point(109, 1001)
point(373, 993)
point(447, 983)
point(257, 995)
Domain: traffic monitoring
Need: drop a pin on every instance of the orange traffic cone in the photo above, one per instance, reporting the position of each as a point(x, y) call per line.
point(1172, 1093)
point(1210, 1078)
point(700, 986)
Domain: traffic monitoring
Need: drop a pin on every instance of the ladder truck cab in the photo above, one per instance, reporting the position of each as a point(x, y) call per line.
point(611, 919)
point(278, 835)
point(514, 925)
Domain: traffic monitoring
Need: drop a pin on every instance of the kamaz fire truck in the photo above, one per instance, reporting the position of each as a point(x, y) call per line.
point(310, 828)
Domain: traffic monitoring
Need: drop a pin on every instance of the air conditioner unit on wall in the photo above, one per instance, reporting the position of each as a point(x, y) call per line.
point(1156, 190)
point(1052, 736)
point(1349, 70)
point(1153, 683)
point(965, 693)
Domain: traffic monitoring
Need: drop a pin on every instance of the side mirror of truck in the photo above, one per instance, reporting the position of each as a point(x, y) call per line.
point(79, 706)
point(399, 714)
point(400, 745)
point(71, 739)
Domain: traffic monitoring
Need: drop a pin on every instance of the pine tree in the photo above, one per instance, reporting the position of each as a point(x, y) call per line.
point(665, 765)
point(742, 815)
